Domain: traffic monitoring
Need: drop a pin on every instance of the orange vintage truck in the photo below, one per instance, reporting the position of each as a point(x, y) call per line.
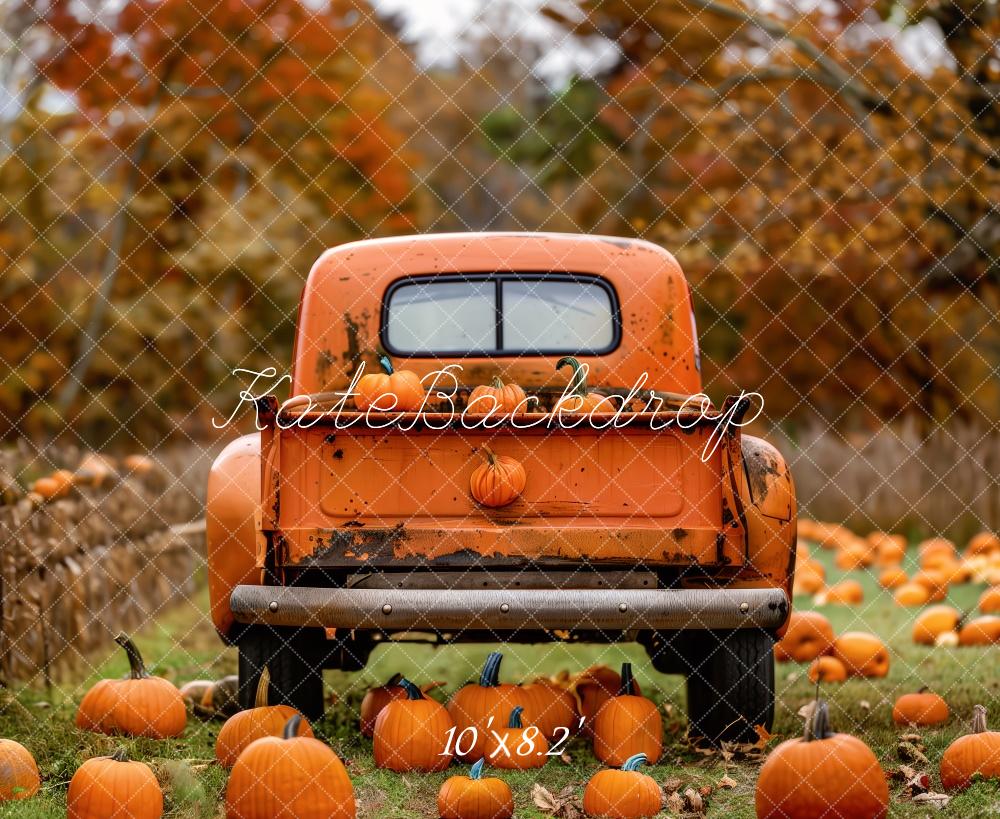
point(330, 533)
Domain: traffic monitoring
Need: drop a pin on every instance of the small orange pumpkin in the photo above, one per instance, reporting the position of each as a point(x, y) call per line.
point(112, 787)
point(624, 794)
point(47, 488)
point(482, 708)
point(809, 635)
point(499, 481)
point(935, 581)
point(975, 754)
point(980, 631)
point(821, 774)
point(933, 622)
point(517, 747)
point(989, 600)
point(289, 777)
point(262, 720)
point(863, 654)
point(985, 543)
point(844, 593)
point(378, 698)
point(854, 555)
point(550, 706)
point(827, 669)
point(391, 390)
point(18, 772)
point(893, 578)
point(911, 594)
point(139, 705)
point(592, 688)
point(810, 577)
point(922, 708)
point(578, 399)
point(473, 797)
point(500, 398)
point(412, 734)
point(626, 725)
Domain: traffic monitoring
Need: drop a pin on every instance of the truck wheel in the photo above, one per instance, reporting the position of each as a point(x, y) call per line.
point(289, 655)
point(730, 685)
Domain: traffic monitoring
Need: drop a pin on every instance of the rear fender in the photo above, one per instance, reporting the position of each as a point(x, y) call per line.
point(232, 529)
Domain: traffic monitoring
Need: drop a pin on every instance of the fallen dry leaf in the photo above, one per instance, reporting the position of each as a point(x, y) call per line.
point(671, 785)
point(937, 800)
point(564, 805)
point(908, 752)
point(694, 802)
point(675, 803)
point(543, 799)
point(727, 782)
point(807, 710)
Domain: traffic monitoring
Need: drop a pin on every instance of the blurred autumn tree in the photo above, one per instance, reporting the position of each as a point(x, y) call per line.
point(157, 231)
point(837, 209)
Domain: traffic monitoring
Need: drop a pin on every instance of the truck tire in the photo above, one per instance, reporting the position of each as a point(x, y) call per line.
point(730, 685)
point(290, 657)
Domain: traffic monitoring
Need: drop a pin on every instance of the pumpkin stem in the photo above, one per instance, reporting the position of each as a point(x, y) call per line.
point(120, 754)
point(412, 692)
point(263, 684)
point(515, 717)
point(628, 681)
point(137, 669)
point(476, 771)
point(818, 725)
point(490, 678)
point(385, 364)
point(578, 381)
point(979, 719)
point(491, 456)
point(633, 762)
point(393, 680)
point(497, 383)
point(292, 727)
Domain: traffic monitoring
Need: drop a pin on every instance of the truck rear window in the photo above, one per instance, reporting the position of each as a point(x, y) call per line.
point(501, 314)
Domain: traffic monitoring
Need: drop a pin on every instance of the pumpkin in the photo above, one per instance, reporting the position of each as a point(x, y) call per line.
point(505, 399)
point(933, 622)
point(985, 543)
point(549, 706)
point(592, 688)
point(810, 577)
point(262, 720)
point(112, 787)
point(844, 593)
point(483, 707)
point(911, 594)
point(579, 399)
point(399, 390)
point(473, 797)
point(809, 635)
point(863, 654)
point(980, 631)
point(890, 550)
point(821, 774)
point(935, 581)
point(975, 754)
point(194, 691)
point(516, 747)
point(989, 601)
point(412, 734)
point(853, 556)
point(624, 794)
point(222, 699)
point(934, 548)
point(289, 777)
point(499, 481)
point(893, 578)
point(626, 725)
point(827, 669)
point(46, 488)
point(922, 708)
point(139, 705)
point(378, 698)
point(18, 772)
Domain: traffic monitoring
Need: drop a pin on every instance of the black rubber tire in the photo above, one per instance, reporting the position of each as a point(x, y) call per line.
point(291, 659)
point(730, 685)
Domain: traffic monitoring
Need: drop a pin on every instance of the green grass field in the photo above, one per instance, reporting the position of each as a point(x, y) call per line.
point(183, 646)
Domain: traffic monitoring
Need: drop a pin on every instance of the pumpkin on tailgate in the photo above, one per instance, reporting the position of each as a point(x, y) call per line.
point(578, 398)
point(920, 709)
point(808, 636)
point(18, 772)
point(411, 734)
point(821, 774)
point(499, 481)
point(627, 724)
point(262, 720)
point(977, 754)
point(622, 794)
point(289, 777)
point(390, 390)
point(863, 654)
point(112, 787)
point(475, 797)
point(482, 707)
point(499, 398)
point(139, 705)
point(517, 747)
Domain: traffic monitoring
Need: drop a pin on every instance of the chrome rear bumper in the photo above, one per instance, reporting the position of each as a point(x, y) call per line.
point(510, 610)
